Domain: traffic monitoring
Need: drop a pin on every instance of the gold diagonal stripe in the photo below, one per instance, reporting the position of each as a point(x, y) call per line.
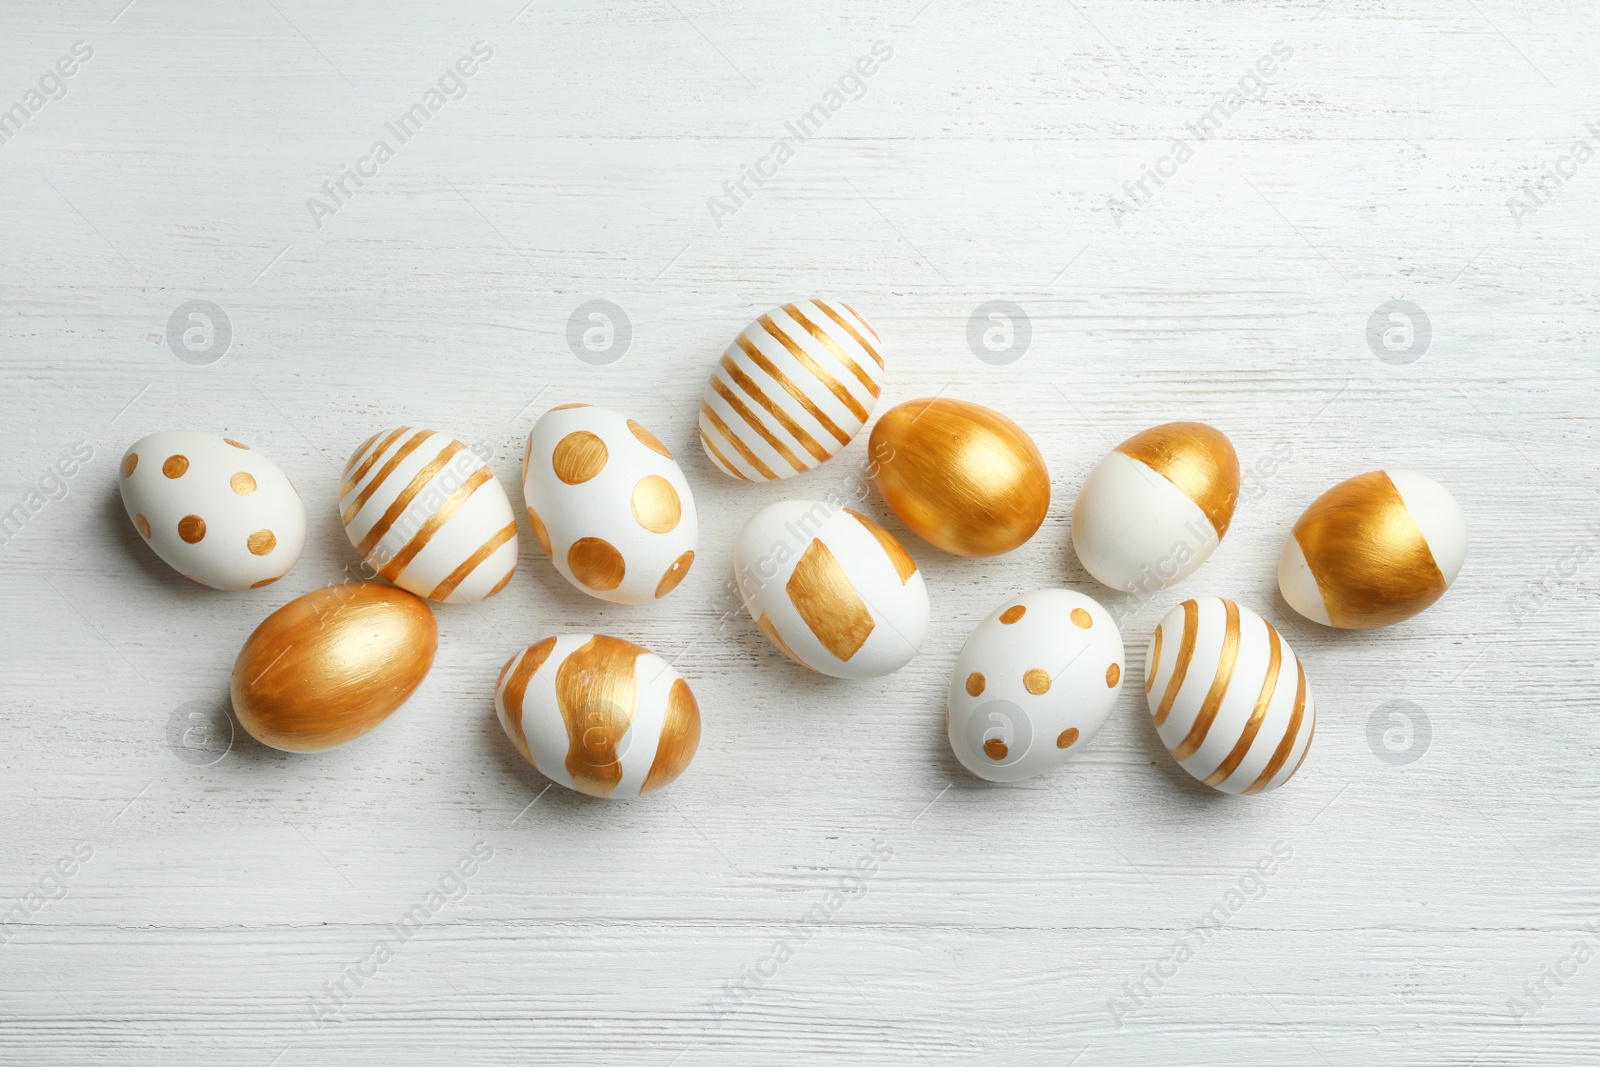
point(485, 550)
point(372, 457)
point(420, 539)
point(1155, 661)
point(716, 453)
point(759, 358)
point(833, 346)
point(861, 319)
point(745, 382)
point(851, 330)
point(755, 423)
point(398, 506)
point(1207, 714)
point(383, 473)
point(1304, 752)
point(1180, 667)
point(1281, 756)
point(739, 446)
point(1269, 688)
point(832, 384)
point(360, 451)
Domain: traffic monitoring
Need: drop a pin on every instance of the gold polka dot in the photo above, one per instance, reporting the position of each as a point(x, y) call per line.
point(1036, 681)
point(1113, 675)
point(648, 439)
point(675, 574)
point(236, 444)
point(1067, 737)
point(243, 483)
point(578, 457)
point(130, 461)
point(1082, 619)
point(143, 524)
point(596, 563)
point(191, 528)
point(656, 506)
point(1012, 614)
point(995, 749)
point(175, 466)
point(264, 581)
point(261, 542)
point(975, 683)
point(540, 532)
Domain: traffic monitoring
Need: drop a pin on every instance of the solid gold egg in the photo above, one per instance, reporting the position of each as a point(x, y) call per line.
point(962, 477)
point(331, 665)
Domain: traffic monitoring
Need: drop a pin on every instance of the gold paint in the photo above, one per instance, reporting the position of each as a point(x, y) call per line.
point(1280, 756)
point(596, 563)
point(578, 457)
point(800, 396)
point(764, 624)
point(1113, 676)
point(738, 445)
point(675, 574)
point(975, 684)
point(1036, 681)
point(1067, 737)
point(360, 472)
point(1372, 565)
point(236, 444)
point(680, 737)
point(821, 592)
point(383, 474)
point(361, 448)
point(1258, 715)
point(262, 542)
point(242, 483)
point(528, 663)
point(597, 692)
point(1191, 629)
point(648, 439)
point(1304, 752)
point(329, 666)
point(1013, 613)
point(755, 422)
point(832, 346)
point(565, 407)
point(264, 581)
point(400, 503)
point(501, 584)
point(656, 506)
point(540, 534)
point(962, 477)
point(904, 565)
point(1082, 619)
point(801, 356)
point(142, 523)
point(995, 749)
point(468, 565)
point(192, 528)
point(716, 453)
point(1196, 458)
point(1227, 658)
point(754, 392)
point(419, 540)
point(129, 462)
point(851, 330)
point(1155, 661)
point(175, 466)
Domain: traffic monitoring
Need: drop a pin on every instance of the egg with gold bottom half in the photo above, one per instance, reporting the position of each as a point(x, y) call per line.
point(330, 666)
point(1374, 550)
point(963, 478)
point(598, 714)
point(1033, 684)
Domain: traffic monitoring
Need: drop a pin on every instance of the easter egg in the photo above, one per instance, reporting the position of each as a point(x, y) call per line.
point(963, 478)
point(428, 515)
point(1229, 697)
point(608, 504)
point(1033, 684)
point(213, 509)
point(1156, 507)
point(831, 589)
point(598, 714)
point(330, 666)
point(791, 391)
point(1373, 550)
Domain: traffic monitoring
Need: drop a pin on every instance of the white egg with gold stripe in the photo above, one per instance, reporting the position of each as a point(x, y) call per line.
point(426, 513)
point(791, 390)
point(831, 589)
point(608, 503)
point(598, 714)
point(1229, 697)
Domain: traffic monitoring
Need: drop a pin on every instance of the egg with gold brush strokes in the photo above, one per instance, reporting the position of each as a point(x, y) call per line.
point(330, 666)
point(964, 478)
point(1156, 507)
point(831, 589)
point(1033, 684)
point(609, 505)
point(215, 510)
point(1374, 550)
point(598, 714)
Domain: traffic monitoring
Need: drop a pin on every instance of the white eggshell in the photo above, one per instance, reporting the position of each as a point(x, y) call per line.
point(1033, 684)
point(427, 514)
point(791, 390)
point(213, 509)
point(609, 504)
point(1229, 697)
point(1136, 531)
point(832, 589)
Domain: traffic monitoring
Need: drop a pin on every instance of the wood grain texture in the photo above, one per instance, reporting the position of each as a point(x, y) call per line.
point(927, 917)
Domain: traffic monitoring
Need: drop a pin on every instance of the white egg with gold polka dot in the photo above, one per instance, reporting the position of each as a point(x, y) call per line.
point(608, 503)
point(831, 589)
point(426, 513)
point(214, 509)
point(1033, 684)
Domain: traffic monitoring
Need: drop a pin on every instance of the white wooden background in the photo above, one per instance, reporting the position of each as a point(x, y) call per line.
point(1438, 867)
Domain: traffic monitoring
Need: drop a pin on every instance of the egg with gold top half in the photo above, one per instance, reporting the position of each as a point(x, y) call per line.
point(1374, 550)
point(1156, 507)
point(964, 478)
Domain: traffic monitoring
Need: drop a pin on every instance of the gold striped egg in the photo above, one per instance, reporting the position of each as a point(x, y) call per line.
point(831, 589)
point(963, 478)
point(598, 714)
point(428, 515)
point(1156, 507)
point(330, 666)
point(608, 503)
point(1229, 697)
point(791, 390)
point(1374, 550)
